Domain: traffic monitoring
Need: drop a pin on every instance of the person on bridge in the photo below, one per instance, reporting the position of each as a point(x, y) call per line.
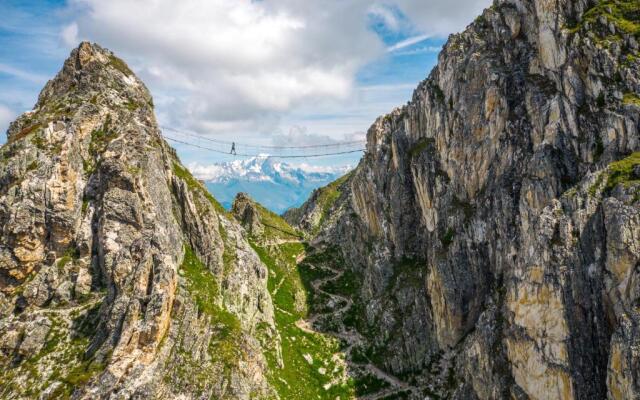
point(233, 148)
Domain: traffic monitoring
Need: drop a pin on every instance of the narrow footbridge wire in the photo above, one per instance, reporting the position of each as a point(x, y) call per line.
point(229, 143)
point(256, 155)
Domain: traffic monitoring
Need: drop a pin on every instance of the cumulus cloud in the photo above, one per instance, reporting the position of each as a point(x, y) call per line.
point(299, 136)
point(441, 17)
point(235, 60)
point(238, 65)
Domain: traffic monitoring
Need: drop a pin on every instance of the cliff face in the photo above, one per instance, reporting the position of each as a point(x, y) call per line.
point(120, 275)
point(494, 222)
point(487, 246)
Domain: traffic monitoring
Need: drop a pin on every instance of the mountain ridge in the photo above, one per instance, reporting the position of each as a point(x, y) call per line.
point(107, 243)
point(486, 246)
point(486, 222)
point(277, 185)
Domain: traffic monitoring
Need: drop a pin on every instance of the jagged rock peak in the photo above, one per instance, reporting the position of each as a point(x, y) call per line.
point(244, 210)
point(100, 219)
point(89, 68)
point(92, 78)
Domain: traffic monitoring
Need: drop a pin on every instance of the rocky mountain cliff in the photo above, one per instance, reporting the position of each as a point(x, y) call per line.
point(487, 246)
point(120, 275)
point(493, 227)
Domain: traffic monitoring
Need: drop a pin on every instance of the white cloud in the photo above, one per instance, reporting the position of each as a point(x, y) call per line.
point(232, 61)
point(408, 42)
point(386, 14)
point(442, 17)
point(299, 136)
point(240, 65)
point(69, 34)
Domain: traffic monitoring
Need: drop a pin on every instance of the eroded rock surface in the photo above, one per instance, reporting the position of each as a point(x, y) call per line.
point(493, 221)
point(487, 246)
point(120, 275)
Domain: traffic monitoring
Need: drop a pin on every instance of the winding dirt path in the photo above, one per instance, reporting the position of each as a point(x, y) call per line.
point(351, 337)
point(280, 241)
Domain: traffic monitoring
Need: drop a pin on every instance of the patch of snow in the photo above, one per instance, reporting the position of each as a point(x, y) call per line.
point(264, 168)
point(275, 184)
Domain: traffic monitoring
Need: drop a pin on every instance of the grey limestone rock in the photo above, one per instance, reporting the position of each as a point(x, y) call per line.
point(494, 218)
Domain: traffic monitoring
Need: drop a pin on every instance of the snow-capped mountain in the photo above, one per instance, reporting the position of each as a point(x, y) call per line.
point(275, 184)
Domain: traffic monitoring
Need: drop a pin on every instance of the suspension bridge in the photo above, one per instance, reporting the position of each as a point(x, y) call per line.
point(253, 150)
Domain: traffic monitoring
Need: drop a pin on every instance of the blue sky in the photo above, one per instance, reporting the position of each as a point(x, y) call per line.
point(269, 72)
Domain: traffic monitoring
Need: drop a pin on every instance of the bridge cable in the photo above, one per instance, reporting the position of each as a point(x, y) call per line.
point(257, 155)
point(228, 143)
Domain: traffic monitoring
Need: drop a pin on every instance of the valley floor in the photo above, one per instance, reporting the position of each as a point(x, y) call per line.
point(322, 350)
point(372, 383)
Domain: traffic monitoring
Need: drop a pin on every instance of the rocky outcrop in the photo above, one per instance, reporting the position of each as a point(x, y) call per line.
point(315, 211)
point(487, 246)
point(493, 221)
point(120, 276)
point(247, 214)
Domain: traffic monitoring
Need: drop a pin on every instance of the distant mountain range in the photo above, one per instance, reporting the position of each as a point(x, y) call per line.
point(275, 184)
